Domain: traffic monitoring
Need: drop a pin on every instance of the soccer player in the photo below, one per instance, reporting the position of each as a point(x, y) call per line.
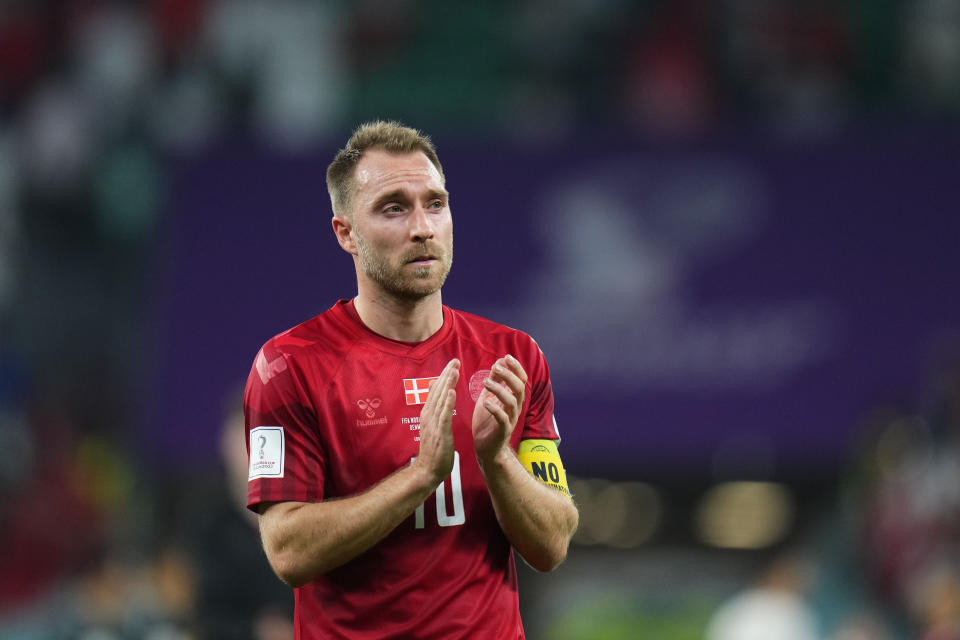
point(400, 449)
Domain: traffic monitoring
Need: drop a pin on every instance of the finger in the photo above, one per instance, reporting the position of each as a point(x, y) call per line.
point(508, 377)
point(504, 394)
point(498, 412)
point(439, 386)
point(429, 407)
point(516, 367)
point(446, 415)
point(450, 374)
point(452, 371)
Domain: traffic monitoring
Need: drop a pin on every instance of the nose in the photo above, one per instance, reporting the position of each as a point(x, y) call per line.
point(421, 227)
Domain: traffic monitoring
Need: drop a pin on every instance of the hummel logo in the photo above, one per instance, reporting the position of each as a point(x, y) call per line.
point(369, 406)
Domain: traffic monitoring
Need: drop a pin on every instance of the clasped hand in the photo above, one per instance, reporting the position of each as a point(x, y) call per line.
point(498, 408)
point(495, 415)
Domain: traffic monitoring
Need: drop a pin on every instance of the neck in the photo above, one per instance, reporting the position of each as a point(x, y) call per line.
point(399, 319)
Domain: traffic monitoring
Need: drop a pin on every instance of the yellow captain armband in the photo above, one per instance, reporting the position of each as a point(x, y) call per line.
point(541, 458)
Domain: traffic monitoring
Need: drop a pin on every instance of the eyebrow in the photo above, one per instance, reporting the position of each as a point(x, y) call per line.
point(401, 195)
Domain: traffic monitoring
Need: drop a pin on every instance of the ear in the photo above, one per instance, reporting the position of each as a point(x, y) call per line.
point(343, 229)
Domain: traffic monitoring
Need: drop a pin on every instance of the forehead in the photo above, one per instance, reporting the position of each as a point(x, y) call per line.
point(380, 171)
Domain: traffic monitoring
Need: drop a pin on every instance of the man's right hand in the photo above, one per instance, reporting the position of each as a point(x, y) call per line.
point(436, 433)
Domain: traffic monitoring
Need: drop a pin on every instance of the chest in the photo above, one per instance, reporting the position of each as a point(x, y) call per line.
point(369, 417)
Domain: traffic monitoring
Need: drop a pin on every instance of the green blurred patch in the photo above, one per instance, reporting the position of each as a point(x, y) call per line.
point(604, 618)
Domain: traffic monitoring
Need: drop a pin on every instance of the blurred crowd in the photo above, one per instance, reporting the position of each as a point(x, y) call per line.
point(99, 99)
point(877, 558)
point(887, 558)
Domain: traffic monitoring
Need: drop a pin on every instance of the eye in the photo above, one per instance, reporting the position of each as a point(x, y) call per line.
point(393, 208)
point(436, 204)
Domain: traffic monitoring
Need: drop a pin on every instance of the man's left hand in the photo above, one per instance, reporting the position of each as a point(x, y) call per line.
point(498, 408)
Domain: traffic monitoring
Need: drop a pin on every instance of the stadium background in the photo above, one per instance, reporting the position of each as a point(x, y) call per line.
point(731, 226)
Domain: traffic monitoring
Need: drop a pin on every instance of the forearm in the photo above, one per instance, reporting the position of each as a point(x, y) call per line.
point(537, 520)
point(305, 540)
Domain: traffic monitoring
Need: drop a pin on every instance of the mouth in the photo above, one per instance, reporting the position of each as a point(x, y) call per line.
point(422, 259)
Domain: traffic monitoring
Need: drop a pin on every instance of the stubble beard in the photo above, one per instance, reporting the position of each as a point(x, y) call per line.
point(412, 285)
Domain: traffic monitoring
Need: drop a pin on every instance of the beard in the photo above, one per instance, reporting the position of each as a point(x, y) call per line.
point(400, 281)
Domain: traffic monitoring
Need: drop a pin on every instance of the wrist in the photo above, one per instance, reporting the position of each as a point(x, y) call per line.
point(425, 479)
point(497, 459)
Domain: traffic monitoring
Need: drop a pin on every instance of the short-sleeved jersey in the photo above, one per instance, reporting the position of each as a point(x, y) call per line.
point(331, 409)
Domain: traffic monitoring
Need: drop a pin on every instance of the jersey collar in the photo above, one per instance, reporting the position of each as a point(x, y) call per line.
point(348, 314)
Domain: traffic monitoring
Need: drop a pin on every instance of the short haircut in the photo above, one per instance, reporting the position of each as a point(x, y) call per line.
point(391, 137)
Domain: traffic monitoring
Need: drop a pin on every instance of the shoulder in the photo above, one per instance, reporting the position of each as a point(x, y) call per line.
point(496, 336)
point(320, 340)
point(294, 365)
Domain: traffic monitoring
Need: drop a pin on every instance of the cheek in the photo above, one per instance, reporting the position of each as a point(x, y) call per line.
point(445, 229)
point(372, 239)
point(383, 246)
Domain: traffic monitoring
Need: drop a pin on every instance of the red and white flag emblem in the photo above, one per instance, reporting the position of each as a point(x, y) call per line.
point(416, 390)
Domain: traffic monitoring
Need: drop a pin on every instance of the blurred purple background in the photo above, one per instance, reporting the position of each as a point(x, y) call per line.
point(716, 305)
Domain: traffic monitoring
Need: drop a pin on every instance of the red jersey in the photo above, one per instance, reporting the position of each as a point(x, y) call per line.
point(331, 409)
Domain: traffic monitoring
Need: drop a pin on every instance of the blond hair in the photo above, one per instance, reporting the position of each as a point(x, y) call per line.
point(392, 137)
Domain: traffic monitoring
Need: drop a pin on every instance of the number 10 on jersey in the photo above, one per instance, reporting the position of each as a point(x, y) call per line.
point(445, 519)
